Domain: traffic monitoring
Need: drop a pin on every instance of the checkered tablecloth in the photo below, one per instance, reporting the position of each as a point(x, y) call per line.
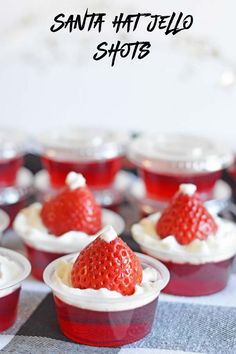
point(182, 325)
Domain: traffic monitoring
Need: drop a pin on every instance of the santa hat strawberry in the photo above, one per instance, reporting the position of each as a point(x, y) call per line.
point(108, 263)
point(186, 218)
point(72, 209)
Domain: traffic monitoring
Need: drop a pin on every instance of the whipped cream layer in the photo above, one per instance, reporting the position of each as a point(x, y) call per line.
point(215, 248)
point(104, 299)
point(9, 271)
point(28, 225)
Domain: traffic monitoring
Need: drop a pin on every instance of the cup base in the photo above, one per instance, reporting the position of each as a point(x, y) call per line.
point(197, 280)
point(104, 329)
point(8, 309)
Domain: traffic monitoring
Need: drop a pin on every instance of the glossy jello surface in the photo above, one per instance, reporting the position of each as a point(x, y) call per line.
point(164, 186)
point(8, 309)
point(8, 170)
point(110, 329)
point(198, 280)
point(40, 259)
point(98, 174)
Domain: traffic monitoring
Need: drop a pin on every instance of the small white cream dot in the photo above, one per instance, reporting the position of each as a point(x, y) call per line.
point(75, 180)
point(187, 188)
point(108, 234)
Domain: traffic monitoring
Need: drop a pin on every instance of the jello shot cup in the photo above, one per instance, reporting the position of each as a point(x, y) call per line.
point(96, 153)
point(14, 268)
point(11, 155)
point(93, 320)
point(4, 223)
point(166, 161)
point(197, 269)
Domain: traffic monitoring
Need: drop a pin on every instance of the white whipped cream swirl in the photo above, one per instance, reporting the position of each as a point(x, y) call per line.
point(215, 248)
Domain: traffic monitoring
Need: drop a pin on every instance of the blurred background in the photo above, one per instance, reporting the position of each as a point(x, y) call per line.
point(186, 84)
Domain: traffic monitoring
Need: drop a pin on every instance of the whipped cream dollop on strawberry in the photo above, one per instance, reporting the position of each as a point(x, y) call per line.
point(75, 180)
point(9, 270)
point(186, 232)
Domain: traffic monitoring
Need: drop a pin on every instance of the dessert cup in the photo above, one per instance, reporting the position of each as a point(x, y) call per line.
point(11, 155)
point(96, 153)
point(198, 269)
point(106, 322)
point(42, 248)
point(166, 161)
point(4, 222)
point(10, 290)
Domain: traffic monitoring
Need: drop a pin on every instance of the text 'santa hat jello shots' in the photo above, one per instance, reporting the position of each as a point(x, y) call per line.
point(107, 295)
point(64, 224)
point(197, 247)
point(167, 160)
point(14, 268)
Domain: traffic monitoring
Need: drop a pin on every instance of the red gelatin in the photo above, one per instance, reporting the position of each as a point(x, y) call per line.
point(163, 187)
point(8, 171)
point(105, 329)
point(8, 309)
point(98, 174)
point(39, 260)
point(198, 280)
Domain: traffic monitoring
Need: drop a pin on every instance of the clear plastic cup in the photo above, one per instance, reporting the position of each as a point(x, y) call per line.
point(94, 152)
point(166, 161)
point(124, 322)
point(188, 279)
point(9, 293)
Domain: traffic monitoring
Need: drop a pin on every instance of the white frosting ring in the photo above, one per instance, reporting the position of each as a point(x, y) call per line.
point(215, 248)
point(28, 225)
point(57, 277)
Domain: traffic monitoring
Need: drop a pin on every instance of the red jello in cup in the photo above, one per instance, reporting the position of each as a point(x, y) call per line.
point(198, 248)
point(166, 161)
point(4, 222)
point(11, 155)
point(14, 269)
point(107, 323)
point(96, 153)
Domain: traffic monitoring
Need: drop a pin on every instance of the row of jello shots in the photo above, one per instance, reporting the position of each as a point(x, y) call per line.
point(105, 288)
point(163, 163)
point(207, 261)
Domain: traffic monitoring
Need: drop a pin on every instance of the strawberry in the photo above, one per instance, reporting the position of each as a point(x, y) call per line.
point(186, 217)
point(73, 209)
point(109, 263)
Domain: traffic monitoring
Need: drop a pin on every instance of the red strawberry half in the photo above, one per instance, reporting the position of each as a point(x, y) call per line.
point(73, 209)
point(109, 263)
point(186, 217)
